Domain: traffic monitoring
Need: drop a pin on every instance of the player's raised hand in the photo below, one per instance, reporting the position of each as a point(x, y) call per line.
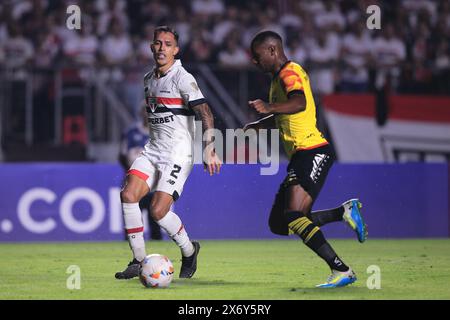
point(260, 106)
point(212, 162)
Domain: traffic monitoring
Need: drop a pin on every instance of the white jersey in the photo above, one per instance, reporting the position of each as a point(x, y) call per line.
point(169, 101)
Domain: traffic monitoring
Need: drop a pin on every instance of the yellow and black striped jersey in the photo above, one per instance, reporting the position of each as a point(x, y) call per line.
point(298, 131)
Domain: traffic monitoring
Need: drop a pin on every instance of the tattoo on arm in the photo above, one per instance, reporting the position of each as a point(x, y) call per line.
point(203, 113)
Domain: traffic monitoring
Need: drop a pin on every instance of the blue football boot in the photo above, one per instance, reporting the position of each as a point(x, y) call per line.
point(352, 216)
point(339, 279)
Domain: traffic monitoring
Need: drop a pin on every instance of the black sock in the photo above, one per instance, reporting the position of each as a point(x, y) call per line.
point(313, 237)
point(323, 217)
point(323, 249)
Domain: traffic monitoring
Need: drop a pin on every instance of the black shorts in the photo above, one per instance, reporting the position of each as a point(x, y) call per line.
point(309, 169)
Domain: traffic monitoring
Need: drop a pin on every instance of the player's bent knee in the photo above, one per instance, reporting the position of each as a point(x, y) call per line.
point(278, 225)
point(158, 211)
point(278, 230)
point(127, 196)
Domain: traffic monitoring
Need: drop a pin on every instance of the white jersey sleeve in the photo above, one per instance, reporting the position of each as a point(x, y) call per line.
point(189, 90)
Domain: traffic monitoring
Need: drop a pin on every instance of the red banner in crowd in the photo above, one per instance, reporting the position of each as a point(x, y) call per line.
point(417, 128)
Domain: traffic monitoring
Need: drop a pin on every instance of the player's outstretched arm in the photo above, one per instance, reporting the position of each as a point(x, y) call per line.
point(211, 160)
point(296, 103)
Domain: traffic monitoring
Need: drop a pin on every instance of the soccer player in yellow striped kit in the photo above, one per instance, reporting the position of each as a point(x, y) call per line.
point(292, 110)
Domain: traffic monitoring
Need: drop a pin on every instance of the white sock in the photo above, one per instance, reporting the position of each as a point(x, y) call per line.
point(135, 229)
point(172, 224)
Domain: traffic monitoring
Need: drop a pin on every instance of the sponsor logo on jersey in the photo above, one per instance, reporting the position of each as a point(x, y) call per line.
point(161, 120)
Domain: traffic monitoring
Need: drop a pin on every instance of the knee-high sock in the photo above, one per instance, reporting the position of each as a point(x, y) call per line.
point(323, 217)
point(172, 224)
point(135, 229)
point(313, 237)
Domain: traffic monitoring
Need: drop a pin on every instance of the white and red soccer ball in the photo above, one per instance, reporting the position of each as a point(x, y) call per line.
point(156, 271)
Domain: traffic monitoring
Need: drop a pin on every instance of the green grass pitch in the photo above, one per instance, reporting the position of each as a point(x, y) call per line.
point(265, 269)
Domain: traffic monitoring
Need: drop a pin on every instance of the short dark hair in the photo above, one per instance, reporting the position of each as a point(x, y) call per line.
point(263, 36)
point(165, 29)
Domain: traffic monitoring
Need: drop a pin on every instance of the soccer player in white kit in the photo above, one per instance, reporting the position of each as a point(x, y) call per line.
point(173, 101)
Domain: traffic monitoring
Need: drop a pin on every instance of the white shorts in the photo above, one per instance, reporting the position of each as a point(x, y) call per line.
point(166, 176)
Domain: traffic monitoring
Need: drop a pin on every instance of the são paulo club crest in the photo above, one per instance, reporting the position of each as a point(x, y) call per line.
point(150, 100)
point(151, 103)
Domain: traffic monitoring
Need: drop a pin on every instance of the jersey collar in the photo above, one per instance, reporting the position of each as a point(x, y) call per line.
point(176, 64)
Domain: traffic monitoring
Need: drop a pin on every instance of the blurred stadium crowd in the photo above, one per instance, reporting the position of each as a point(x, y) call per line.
point(330, 38)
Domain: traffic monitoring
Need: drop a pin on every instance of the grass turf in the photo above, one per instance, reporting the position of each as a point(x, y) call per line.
point(274, 269)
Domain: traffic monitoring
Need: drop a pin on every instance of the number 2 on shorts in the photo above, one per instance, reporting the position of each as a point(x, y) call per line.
point(176, 170)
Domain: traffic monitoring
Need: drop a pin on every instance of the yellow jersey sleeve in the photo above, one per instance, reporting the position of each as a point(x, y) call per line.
point(291, 79)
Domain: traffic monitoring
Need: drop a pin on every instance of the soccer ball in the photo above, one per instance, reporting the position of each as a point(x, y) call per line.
point(156, 271)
